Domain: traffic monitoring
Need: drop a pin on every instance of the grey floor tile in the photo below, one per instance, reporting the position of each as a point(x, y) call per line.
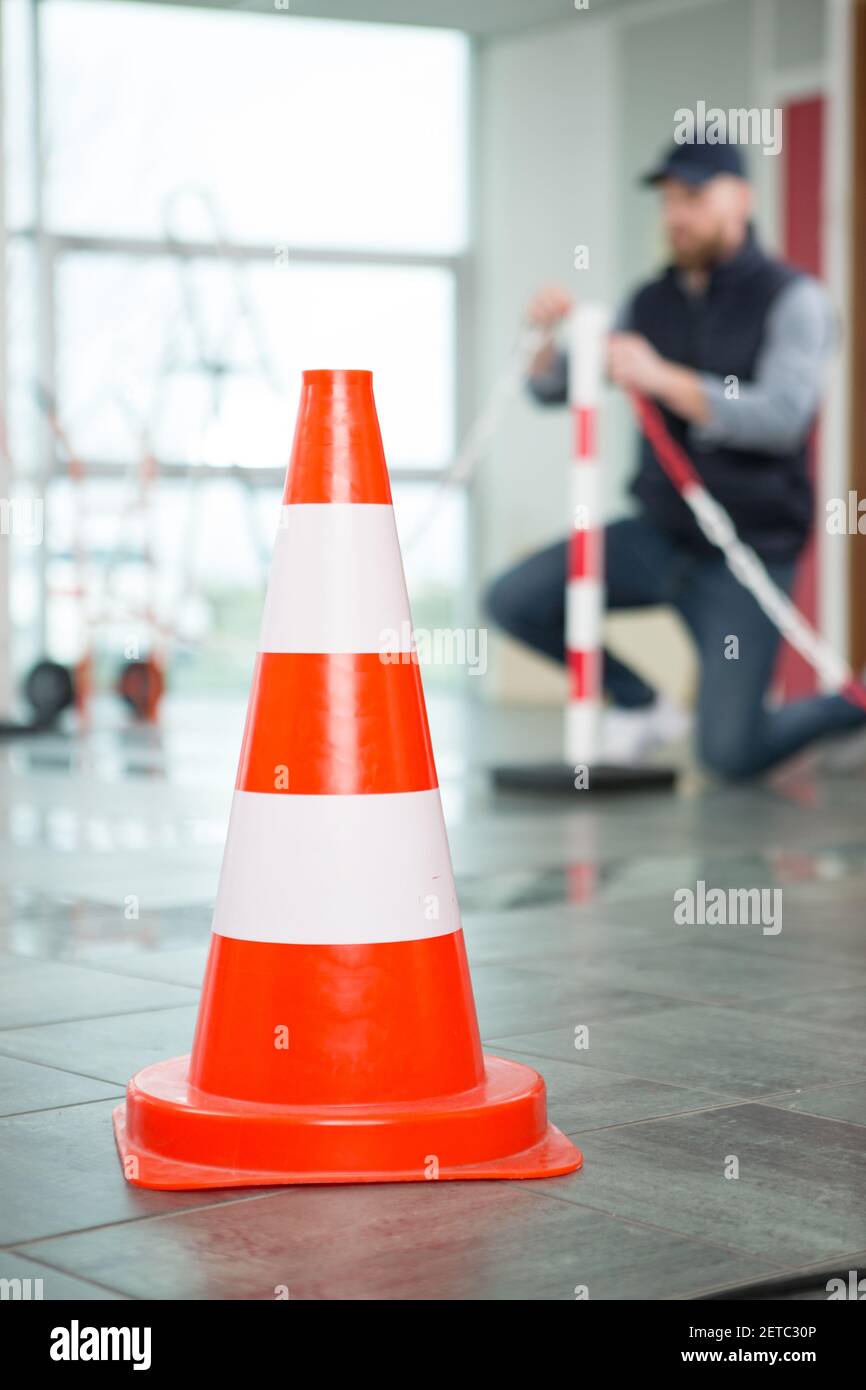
point(112, 1049)
point(700, 971)
point(26, 1086)
point(614, 880)
point(512, 998)
point(588, 928)
point(86, 933)
point(815, 1280)
point(845, 1102)
point(184, 966)
point(730, 1051)
point(471, 1241)
point(645, 952)
point(580, 1099)
point(824, 927)
point(40, 1281)
point(798, 1197)
point(831, 1008)
point(33, 992)
point(511, 889)
point(541, 937)
point(62, 1173)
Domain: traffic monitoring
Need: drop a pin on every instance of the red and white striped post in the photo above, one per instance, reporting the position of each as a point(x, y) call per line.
point(584, 599)
point(584, 594)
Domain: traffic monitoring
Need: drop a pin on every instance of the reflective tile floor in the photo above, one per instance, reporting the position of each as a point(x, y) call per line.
point(717, 1091)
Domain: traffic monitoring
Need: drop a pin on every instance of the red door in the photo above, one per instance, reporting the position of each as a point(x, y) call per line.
point(802, 195)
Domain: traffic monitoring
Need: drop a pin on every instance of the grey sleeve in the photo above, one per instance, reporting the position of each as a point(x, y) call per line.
point(551, 387)
point(773, 413)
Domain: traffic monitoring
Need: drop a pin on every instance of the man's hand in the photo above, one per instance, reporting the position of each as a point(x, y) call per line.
point(634, 365)
point(545, 310)
point(548, 306)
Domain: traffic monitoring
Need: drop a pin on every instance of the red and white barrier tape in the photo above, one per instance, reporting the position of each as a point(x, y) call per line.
point(743, 562)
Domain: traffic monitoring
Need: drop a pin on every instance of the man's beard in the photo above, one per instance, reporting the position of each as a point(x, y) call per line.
point(703, 256)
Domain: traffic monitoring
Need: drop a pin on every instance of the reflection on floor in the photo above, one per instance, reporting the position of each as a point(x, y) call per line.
point(706, 1043)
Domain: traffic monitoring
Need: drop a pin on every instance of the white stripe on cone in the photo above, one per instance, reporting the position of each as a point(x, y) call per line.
point(336, 582)
point(336, 870)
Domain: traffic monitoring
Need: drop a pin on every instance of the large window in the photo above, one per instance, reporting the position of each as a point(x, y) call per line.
point(163, 336)
point(200, 204)
point(307, 131)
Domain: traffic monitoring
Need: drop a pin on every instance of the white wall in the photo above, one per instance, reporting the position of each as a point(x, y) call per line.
point(546, 120)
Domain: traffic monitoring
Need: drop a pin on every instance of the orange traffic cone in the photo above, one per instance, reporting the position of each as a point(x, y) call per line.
point(336, 1037)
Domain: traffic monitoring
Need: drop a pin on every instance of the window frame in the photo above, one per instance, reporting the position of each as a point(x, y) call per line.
point(51, 246)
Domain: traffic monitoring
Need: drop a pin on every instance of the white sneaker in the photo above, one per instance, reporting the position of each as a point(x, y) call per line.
point(629, 735)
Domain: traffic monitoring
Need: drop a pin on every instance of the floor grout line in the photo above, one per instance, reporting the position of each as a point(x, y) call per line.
point(56, 1269)
point(724, 1096)
point(651, 1226)
point(710, 1109)
point(828, 1266)
point(101, 1018)
point(65, 1071)
point(687, 1235)
point(179, 1212)
point(69, 1105)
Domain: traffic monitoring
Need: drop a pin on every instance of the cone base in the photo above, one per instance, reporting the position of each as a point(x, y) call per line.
point(171, 1136)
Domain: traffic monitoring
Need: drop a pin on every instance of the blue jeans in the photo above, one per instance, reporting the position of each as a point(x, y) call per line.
point(737, 735)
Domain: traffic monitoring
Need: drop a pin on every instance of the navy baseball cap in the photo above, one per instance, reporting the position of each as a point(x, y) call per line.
point(695, 164)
